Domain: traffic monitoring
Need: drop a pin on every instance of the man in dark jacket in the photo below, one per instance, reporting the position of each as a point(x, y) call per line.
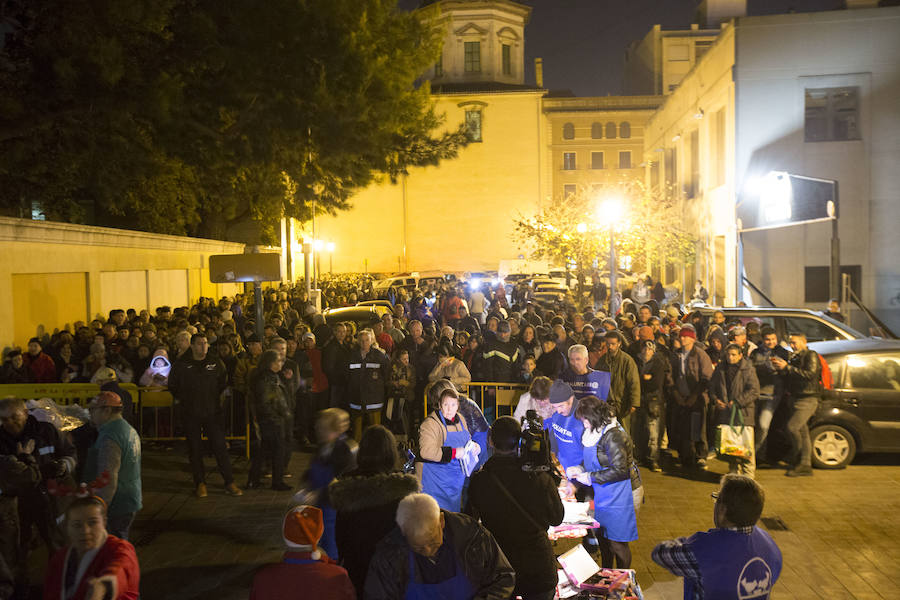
point(369, 372)
point(552, 362)
point(803, 380)
point(625, 385)
point(771, 384)
point(423, 358)
point(517, 507)
point(691, 372)
point(19, 478)
point(650, 419)
point(335, 357)
point(197, 382)
point(502, 356)
point(434, 553)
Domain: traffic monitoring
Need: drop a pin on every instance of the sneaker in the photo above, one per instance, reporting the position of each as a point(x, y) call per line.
point(281, 487)
point(800, 471)
point(701, 463)
point(233, 490)
point(200, 492)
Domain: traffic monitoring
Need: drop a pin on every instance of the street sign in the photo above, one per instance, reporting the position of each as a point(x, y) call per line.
point(235, 268)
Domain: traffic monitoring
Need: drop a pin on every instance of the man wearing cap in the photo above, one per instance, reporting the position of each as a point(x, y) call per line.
point(304, 570)
point(117, 454)
point(565, 428)
point(625, 383)
point(691, 373)
point(552, 362)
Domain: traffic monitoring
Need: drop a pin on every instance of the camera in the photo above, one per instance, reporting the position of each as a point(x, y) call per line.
point(534, 444)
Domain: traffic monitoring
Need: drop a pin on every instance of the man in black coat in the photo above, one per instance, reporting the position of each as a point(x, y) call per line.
point(368, 374)
point(517, 507)
point(803, 380)
point(502, 356)
point(335, 357)
point(197, 382)
point(552, 362)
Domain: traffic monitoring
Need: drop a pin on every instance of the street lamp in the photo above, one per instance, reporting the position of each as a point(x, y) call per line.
point(317, 247)
point(330, 248)
point(611, 210)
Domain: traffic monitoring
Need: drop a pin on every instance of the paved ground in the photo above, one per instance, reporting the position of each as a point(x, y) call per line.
point(842, 538)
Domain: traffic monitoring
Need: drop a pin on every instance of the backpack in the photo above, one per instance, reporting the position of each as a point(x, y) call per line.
point(827, 381)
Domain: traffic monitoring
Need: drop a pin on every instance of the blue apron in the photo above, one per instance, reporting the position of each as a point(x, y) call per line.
point(444, 481)
point(455, 588)
point(567, 431)
point(613, 503)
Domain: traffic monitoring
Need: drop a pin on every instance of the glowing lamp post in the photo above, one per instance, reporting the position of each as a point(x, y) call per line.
point(317, 248)
point(611, 211)
point(330, 248)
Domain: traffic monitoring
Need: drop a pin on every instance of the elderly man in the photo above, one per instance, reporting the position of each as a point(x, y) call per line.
point(437, 554)
point(584, 380)
point(734, 560)
point(117, 453)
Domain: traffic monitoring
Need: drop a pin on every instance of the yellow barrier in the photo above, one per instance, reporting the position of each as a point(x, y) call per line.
point(154, 398)
point(497, 393)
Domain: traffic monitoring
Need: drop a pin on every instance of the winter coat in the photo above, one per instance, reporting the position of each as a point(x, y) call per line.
point(41, 367)
point(653, 388)
point(269, 396)
point(615, 453)
point(321, 578)
point(335, 356)
point(19, 477)
point(625, 383)
point(803, 374)
point(739, 385)
point(482, 562)
point(690, 389)
point(198, 386)
point(523, 542)
point(551, 364)
point(366, 506)
point(502, 361)
point(367, 378)
point(10, 374)
point(115, 557)
point(771, 382)
point(455, 371)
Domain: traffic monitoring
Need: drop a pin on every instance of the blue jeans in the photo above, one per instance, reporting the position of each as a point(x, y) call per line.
point(768, 405)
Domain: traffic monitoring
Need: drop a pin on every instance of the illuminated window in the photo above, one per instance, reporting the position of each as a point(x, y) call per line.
point(625, 159)
point(473, 124)
point(596, 160)
point(473, 57)
point(610, 131)
point(625, 130)
point(597, 131)
point(832, 114)
point(569, 190)
point(568, 131)
point(568, 161)
point(507, 59)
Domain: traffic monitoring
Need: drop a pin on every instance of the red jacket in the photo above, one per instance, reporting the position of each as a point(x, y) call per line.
point(321, 579)
point(41, 367)
point(320, 380)
point(116, 557)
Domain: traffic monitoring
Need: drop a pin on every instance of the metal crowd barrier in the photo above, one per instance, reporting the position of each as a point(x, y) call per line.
point(151, 400)
point(490, 396)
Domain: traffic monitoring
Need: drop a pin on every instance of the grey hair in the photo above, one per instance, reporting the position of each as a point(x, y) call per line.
point(577, 349)
point(417, 513)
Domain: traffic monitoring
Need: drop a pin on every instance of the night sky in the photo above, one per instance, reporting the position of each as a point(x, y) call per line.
point(583, 42)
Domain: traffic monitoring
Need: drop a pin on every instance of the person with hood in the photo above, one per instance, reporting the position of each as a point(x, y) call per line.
point(649, 423)
point(157, 374)
point(734, 388)
point(366, 500)
point(434, 553)
point(716, 341)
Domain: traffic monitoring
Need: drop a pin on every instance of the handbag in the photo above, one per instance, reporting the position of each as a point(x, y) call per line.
point(736, 442)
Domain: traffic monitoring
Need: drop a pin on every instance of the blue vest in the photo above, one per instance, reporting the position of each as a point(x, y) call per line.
point(128, 496)
point(567, 431)
point(733, 565)
point(592, 383)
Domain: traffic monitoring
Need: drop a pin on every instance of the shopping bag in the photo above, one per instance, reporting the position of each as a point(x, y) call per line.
point(735, 439)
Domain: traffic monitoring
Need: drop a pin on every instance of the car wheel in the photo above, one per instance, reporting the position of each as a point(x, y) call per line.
point(833, 447)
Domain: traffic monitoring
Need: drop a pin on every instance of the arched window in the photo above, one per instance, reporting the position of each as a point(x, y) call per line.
point(624, 129)
point(568, 131)
point(610, 131)
point(597, 131)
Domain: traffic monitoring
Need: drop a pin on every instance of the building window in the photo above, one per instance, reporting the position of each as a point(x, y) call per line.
point(569, 190)
point(625, 130)
point(625, 159)
point(596, 160)
point(568, 161)
point(597, 131)
point(473, 57)
point(832, 114)
point(568, 131)
point(473, 124)
point(439, 66)
point(507, 59)
point(610, 131)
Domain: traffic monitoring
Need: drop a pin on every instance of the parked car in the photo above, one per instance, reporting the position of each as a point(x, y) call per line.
point(862, 412)
point(362, 316)
point(385, 303)
point(407, 282)
point(785, 321)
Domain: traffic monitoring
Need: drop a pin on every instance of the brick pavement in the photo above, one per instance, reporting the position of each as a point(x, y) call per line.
point(843, 537)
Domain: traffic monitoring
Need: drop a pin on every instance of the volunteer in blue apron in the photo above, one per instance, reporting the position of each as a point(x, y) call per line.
point(443, 436)
point(565, 428)
point(609, 467)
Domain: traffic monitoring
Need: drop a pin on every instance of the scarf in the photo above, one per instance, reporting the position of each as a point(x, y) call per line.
point(590, 437)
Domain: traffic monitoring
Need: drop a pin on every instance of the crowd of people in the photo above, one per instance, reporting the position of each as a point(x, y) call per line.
point(616, 392)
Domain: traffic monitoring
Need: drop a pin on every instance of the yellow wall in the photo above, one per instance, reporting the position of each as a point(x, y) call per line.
point(53, 274)
point(460, 214)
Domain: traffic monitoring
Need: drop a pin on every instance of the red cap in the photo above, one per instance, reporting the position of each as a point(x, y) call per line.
point(106, 398)
point(687, 332)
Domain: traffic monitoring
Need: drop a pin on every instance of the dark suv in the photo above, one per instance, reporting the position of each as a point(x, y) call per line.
point(815, 325)
point(862, 412)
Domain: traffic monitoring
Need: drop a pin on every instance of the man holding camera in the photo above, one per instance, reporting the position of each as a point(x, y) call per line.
point(517, 507)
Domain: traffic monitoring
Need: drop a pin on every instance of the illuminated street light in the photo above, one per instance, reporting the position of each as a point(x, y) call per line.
point(581, 228)
point(318, 245)
point(775, 196)
point(330, 248)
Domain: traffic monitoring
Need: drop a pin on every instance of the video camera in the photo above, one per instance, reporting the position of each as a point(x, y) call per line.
point(534, 444)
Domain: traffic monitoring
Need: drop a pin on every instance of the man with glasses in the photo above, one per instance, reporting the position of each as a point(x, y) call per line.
point(734, 560)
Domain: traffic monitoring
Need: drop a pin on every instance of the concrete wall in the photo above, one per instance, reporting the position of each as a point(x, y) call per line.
point(53, 274)
point(778, 57)
point(459, 215)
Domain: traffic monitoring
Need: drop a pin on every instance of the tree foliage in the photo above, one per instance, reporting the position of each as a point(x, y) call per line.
point(196, 116)
point(575, 229)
